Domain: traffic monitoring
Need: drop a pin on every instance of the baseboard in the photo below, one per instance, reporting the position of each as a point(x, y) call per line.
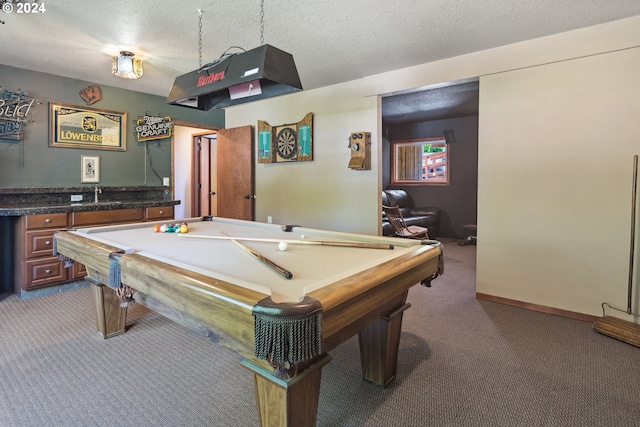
point(50, 290)
point(537, 307)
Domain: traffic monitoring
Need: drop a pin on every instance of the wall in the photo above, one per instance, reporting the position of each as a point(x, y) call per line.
point(458, 200)
point(555, 181)
point(324, 193)
point(33, 163)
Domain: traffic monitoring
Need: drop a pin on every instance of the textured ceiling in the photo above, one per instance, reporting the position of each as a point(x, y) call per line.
point(332, 41)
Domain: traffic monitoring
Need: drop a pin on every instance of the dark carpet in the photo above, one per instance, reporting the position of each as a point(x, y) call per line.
point(462, 362)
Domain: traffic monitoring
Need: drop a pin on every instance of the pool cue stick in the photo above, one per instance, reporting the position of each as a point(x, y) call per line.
point(296, 242)
point(275, 267)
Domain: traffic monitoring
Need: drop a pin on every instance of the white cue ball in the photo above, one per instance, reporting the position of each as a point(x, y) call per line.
point(302, 236)
point(283, 246)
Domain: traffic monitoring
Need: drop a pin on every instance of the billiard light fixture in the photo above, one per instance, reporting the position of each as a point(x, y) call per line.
point(126, 66)
point(236, 78)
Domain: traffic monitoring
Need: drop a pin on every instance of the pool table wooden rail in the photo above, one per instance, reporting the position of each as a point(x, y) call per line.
point(369, 303)
point(356, 301)
point(224, 307)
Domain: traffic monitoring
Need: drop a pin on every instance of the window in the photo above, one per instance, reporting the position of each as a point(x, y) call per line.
point(424, 161)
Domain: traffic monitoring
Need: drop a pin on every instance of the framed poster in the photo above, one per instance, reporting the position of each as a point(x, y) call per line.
point(82, 127)
point(90, 169)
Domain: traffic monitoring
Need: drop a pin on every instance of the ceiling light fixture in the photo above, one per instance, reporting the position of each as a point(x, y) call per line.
point(126, 66)
point(236, 78)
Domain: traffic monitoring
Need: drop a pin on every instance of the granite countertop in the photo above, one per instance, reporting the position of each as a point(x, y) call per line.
point(78, 189)
point(29, 208)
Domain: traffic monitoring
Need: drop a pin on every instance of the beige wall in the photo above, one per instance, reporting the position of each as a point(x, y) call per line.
point(182, 153)
point(323, 193)
point(558, 240)
point(556, 148)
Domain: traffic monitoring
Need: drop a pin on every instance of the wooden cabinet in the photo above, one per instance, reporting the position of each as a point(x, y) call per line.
point(115, 216)
point(158, 213)
point(38, 221)
point(35, 265)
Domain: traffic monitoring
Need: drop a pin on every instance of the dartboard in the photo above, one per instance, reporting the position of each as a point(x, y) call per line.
point(286, 141)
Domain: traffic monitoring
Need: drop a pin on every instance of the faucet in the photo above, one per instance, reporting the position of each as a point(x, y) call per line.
point(96, 191)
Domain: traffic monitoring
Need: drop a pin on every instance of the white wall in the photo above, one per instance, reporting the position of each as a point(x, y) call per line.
point(532, 224)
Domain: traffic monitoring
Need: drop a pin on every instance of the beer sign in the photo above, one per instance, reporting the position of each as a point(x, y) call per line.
point(149, 128)
point(16, 110)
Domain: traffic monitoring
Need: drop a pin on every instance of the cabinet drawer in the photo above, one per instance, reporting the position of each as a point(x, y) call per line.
point(45, 272)
point(159, 212)
point(38, 244)
point(54, 220)
point(78, 271)
point(115, 216)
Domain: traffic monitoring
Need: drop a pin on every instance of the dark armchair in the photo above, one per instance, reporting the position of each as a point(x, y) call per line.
point(427, 217)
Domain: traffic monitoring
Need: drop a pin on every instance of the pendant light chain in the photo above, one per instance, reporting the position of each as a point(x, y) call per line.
point(261, 22)
point(200, 37)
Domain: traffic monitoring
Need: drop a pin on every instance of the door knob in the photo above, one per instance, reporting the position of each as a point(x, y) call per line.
point(249, 196)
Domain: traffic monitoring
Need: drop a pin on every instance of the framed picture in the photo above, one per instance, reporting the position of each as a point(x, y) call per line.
point(90, 169)
point(83, 127)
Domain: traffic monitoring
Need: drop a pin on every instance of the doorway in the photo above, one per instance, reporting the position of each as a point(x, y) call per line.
point(430, 113)
point(213, 172)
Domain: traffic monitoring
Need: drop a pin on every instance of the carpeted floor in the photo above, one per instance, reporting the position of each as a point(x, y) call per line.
point(462, 362)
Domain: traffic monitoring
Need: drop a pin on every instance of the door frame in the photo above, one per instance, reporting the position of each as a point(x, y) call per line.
point(184, 171)
point(201, 168)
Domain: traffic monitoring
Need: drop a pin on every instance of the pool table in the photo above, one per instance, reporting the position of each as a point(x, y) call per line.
point(216, 278)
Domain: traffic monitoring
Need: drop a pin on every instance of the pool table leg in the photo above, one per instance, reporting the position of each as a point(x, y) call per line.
point(110, 316)
point(292, 402)
point(379, 344)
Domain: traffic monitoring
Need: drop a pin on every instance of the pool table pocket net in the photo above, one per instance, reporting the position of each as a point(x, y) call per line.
point(288, 336)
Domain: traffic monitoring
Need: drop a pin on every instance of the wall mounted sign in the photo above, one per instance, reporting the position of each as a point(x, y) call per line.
point(16, 110)
point(286, 143)
point(90, 169)
point(81, 127)
point(149, 128)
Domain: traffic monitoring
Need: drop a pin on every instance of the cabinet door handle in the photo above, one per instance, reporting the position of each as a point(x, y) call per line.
point(47, 220)
point(161, 212)
point(48, 271)
point(48, 242)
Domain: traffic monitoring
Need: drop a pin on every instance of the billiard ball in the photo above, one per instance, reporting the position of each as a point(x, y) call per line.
point(283, 246)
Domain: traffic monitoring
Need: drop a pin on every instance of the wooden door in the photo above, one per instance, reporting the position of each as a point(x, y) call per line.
point(213, 176)
point(202, 167)
point(207, 178)
point(204, 149)
point(235, 173)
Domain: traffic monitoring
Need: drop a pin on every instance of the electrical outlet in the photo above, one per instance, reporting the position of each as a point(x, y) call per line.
point(269, 219)
point(166, 181)
point(76, 197)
